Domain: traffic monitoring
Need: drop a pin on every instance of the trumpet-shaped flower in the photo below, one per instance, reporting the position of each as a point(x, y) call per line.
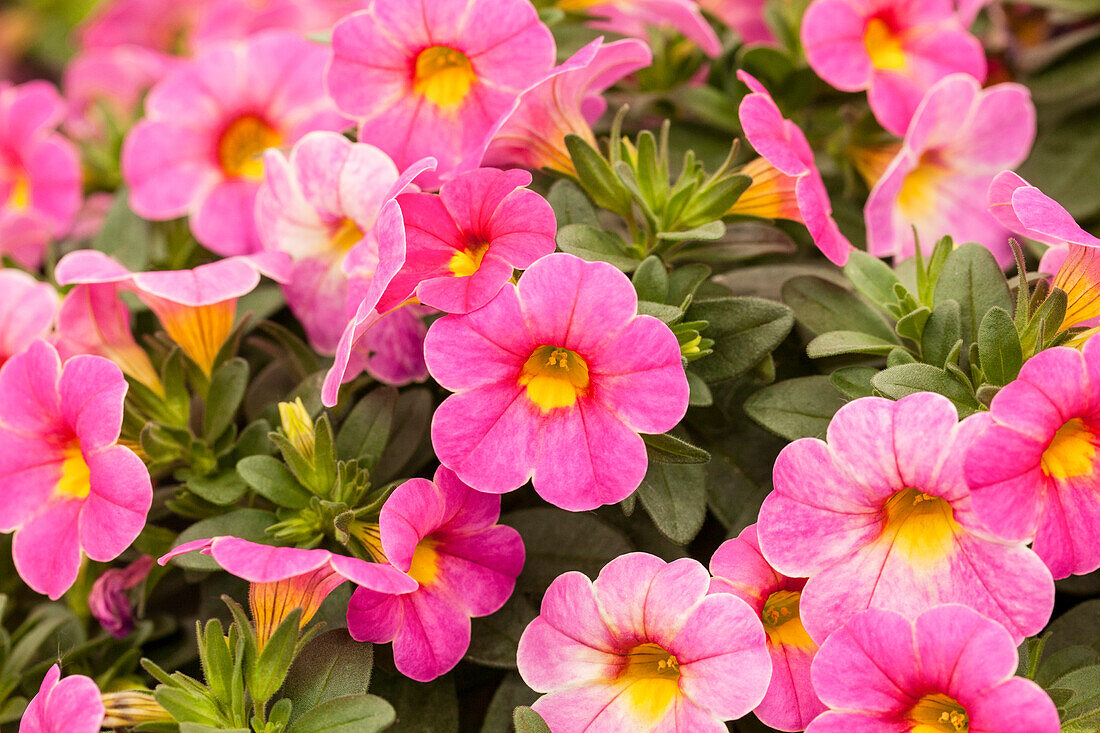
point(431, 78)
point(199, 149)
point(566, 101)
point(27, 310)
point(643, 648)
point(895, 49)
point(555, 378)
point(284, 578)
point(785, 181)
point(462, 244)
point(40, 178)
point(740, 569)
point(746, 17)
point(634, 17)
point(446, 537)
point(881, 517)
point(1033, 468)
point(70, 705)
point(66, 485)
point(110, 603)
point(961, 136)
point(196, 307)
point(949, 670)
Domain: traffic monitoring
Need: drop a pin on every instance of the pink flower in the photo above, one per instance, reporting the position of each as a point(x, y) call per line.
point(555, 378)
point(740, 569)
point(27, 309)
point(392, 351)
point(159, 25)
point(880, 517)
point(40, 177)
point(285, 578)
point(960, 137)
point(632, 17)
point(785, 181)
point(744, 16)
point(948, 670)
point(71, 705)
point(643, 648)
point(109, 602)
point(196, 307)
point(895, 49)
point(431, 78)
point(1033, 469)
point(198, 150)
point(566, 101)
point(446, 537)
point(463, 244)
point(104, 88)
point(66, 486)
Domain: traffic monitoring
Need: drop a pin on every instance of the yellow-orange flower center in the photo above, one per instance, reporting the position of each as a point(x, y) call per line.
point(20, 196)
point(467, 261)
point(425, 560)
point(917, 197)
point(653, 679)
point(1071, 453)
point(242, 144)
point(345, 236)
point(75, 481)
point(919, 525)
point(883, 46)
point(443, 75)
point(771, 195)
point(938, 713)
point(554, 377)
point(782, 622)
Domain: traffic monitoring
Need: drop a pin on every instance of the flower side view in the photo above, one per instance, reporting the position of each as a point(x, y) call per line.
point(634, 17)
point(643, 648)
point(880, 516)
point(66, 485)
point(27, 311)
point(70, 705)
point(555, 379)
point(950, 670)
point(746, 17)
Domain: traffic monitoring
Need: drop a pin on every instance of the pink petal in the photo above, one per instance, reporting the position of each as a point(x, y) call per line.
point(1017, 706)
point(46, 550)
point(433, 636)
point(870, 665)
point(114, 512)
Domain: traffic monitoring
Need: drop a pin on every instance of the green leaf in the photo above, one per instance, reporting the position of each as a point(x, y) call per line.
point(666, 448)
point(511, 693)
point(247, 524)
point(872, 277)
point(941, 333)
point(330, 666)
point(745, 330)
point(528, 721)
point(349, 714)
point(430, 707)
point(999, 347)
point(227, 388)
point(595, 245)
point(264, 678)
point(597, 178)
point(651, 280)
point(675, 497)
point(364, 433)
point(683, 281)
point(223, 489)
point(494, 639)
point(796, 408)
point(660, 311)
point(125, 236)
point(709, 232)
point(558, 541)
point(1063, 163)
point(822, 306)
point(973, 279)
point(854, 382)
point(271, 479)
point(408, 436)
point(570, 204)
point(835, 343)
point(1079, 625)
point(899, 381)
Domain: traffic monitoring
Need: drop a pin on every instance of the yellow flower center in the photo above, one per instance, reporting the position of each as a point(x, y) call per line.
point(241, 145)
point(771, 194)
point(938, 713)
point(20, 196)
point(443, 75)
point(1071, 452)
point(782, 622)
point(653, 679)
point(554, 377)
point(919, 525)
point(75, 481)
point(917, 197)
point(872, 161)
point(425, 562)
point(466, 262)
point(346, 236)
point(883, 46)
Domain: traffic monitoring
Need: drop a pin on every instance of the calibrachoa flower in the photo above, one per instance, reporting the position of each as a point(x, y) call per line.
point(199, 149)
point(961, 136)
point(566, 101)
point(70, 705)
point(109, 601)
point(431, 77)
point(785, 181)
point(40, 179)
point(463, 244)
point(166, 26)
point(744, 16)
point(880, 516)
point(1033, 469)
point(196, 307)
point(643, 648)
point(950, 670)
point(632, 17)
point(66, 486)
point(740, 569)
point(555, 378)
point(104, 88)
point(27, 310)
point(446, 537)
point(895, 49)
point(284, 578)
point(392, 351)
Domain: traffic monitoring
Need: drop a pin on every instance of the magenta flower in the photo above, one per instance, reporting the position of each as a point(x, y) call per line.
point(199, 149)
point(880, 517)
point(1032, 469)
point(566, 101)
point(104, 88)
point(392, 351)
point(196, 307)
point(40, 177)
point(159, 25)
point(740, 569)
point(894, 49)
point(446, 537)
point(70, 705)
point(961, 136)
point(110, 603)
point(633, 17)
point(785, 181)
point(463, 244)
point(949, 670)
point(66, 485)
point(27, 309)
point(555, 378)
point(746, 17)
point(643, 647)
point(431, 78)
